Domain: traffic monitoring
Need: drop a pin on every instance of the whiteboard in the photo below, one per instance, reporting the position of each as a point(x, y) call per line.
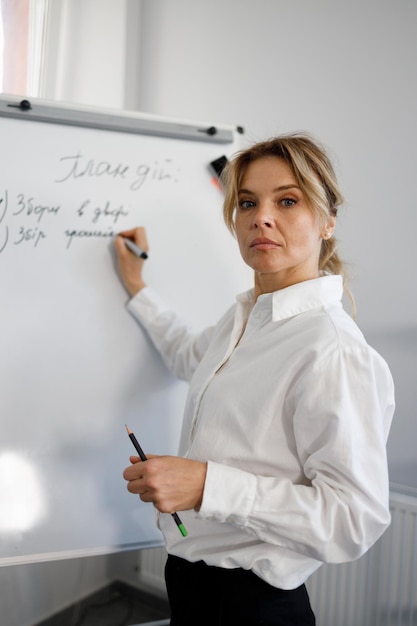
point(74, 365)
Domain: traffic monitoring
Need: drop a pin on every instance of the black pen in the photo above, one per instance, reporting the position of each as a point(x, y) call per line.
point(143, 457)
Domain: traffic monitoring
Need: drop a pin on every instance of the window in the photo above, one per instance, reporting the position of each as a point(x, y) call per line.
point(22, 25)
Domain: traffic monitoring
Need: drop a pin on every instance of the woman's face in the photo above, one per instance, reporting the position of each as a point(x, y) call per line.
point(279, 235)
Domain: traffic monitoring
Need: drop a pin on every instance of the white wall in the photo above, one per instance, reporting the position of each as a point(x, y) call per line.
point(343, 70)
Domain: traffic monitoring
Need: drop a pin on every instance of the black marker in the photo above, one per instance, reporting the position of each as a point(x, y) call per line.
point(143, 457)
point(134, 248)
point(218, 165)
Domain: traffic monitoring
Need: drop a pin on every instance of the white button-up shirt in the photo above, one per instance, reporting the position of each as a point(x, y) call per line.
point(291, 409)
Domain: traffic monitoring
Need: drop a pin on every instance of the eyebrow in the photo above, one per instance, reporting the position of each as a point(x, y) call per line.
point(281, 188)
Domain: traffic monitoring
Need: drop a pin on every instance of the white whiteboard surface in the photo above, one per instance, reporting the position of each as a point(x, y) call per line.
point(74, 365)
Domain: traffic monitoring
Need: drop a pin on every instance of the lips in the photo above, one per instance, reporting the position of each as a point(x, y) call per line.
point(262, 243)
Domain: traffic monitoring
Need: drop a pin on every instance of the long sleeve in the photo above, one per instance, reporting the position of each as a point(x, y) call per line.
point(180, 349)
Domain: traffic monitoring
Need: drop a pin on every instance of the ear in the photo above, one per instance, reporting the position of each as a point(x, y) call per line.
point(329, 228)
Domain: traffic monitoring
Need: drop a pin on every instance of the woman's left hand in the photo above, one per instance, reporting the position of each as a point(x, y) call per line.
point(172, 483)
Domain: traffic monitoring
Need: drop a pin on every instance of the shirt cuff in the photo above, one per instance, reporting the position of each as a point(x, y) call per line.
point(228, 495)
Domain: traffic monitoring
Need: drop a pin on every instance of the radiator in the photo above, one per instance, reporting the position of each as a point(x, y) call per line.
point(379, 589)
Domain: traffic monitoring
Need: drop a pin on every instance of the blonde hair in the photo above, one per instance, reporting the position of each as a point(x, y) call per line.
point(314, 173)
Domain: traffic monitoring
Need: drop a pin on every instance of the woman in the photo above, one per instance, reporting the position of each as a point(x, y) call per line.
point(288, 408)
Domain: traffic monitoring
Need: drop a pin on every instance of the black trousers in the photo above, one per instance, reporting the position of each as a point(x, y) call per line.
point(201, 595)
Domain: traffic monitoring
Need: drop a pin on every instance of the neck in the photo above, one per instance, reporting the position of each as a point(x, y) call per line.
point(268, 283)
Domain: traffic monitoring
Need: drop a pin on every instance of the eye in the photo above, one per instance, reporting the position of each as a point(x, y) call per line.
point(288, 202)
point(246, 204)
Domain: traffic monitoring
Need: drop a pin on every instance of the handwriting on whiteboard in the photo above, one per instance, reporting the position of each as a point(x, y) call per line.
point(73, 167)
point(25, 218)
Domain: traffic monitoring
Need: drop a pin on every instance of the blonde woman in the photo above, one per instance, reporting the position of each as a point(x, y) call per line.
point(288, 410)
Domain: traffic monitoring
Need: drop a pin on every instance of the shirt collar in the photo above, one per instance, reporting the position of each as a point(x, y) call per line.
point(299, 298)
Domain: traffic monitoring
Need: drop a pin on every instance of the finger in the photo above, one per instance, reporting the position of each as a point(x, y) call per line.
point(133, 472)
point(145, 496)
point(130, 232)
point(138, 236)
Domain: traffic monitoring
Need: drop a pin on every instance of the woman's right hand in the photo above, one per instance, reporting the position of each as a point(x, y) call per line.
point(129, 265)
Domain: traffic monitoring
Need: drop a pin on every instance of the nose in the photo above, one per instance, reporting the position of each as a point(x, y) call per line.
point(263, 216)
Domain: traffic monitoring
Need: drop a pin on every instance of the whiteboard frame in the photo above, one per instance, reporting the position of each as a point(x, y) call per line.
point(110, 119)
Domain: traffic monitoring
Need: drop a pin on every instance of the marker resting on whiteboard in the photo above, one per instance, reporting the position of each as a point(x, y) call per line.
point(134, 248)
point(143, 457)
point(218, 166)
